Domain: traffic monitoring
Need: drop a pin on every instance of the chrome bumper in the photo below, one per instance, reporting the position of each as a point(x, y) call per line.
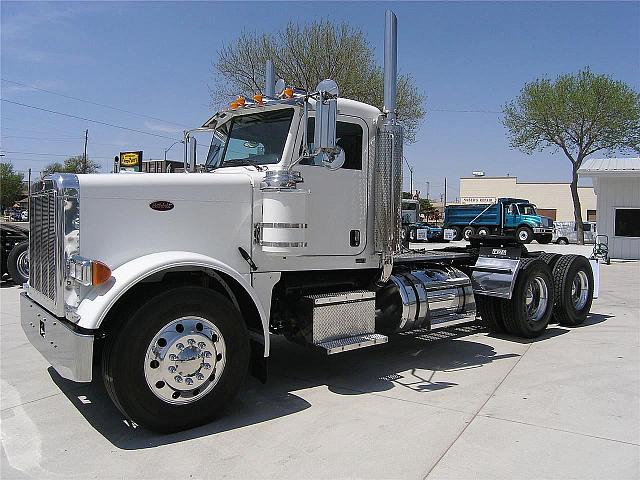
point(69, 352)
point(543, 230)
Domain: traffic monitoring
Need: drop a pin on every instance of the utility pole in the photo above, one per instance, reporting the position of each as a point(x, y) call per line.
point(84, 159)
point(445, 192)
point(410, 176)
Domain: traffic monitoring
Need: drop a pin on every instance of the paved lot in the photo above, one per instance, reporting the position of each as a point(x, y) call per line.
point(455, 404)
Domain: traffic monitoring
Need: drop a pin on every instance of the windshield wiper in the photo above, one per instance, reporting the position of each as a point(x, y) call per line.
point(239, 162)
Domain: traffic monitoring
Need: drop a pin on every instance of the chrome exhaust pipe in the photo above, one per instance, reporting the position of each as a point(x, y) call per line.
point(269, 79)
point(390, 64)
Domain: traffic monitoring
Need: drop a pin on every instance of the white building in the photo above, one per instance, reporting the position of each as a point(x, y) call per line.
point(553, 199)
point(617, 185)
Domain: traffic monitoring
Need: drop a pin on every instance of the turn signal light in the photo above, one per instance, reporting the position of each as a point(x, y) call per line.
point(288, 92)
point(240, 101)
point(100, 273)
point(258, 98)
point(233, 105)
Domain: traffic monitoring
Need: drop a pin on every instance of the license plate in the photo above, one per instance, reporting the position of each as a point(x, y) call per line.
point(449, 234)
point(422, 234)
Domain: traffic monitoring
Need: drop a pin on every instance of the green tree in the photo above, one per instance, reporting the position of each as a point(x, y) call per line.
point(11, 185)
point(579, 114)
point(306, 54)
point(75, 164)
point(426, 208)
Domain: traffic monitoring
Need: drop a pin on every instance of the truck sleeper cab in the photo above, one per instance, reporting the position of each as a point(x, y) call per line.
point(280, 234)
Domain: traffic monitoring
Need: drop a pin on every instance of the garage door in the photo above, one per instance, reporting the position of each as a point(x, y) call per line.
point(548, 212)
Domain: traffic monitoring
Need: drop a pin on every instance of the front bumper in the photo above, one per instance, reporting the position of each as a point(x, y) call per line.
point(543, 230)
point(69, 352)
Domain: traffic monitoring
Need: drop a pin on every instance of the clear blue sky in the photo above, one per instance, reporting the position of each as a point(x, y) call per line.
point(155, 59)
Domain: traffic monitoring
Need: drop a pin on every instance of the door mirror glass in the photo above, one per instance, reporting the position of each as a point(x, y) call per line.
point(324, 138)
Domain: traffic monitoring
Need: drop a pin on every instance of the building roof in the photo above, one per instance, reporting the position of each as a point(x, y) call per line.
point(610, 166)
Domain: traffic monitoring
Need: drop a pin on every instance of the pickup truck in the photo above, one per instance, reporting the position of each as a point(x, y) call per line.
point(515, 217)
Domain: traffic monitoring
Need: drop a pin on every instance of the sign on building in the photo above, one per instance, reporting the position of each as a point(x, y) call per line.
point(478, 200)
point(131, 161)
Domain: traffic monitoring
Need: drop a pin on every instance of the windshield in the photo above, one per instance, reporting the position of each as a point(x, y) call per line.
point(527, 209)
point(254, 139)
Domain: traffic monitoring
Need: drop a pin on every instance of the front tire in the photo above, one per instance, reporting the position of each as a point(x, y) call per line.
point(177, 360)
point(528, 312)
point(524, 234)
point(18, 263)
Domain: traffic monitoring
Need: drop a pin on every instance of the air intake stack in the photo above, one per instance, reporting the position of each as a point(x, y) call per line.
point(388, 164)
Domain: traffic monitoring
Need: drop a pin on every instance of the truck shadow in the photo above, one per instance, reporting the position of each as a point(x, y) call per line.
point(409, 362)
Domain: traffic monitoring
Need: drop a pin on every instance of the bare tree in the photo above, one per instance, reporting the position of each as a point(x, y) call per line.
point(306, 54)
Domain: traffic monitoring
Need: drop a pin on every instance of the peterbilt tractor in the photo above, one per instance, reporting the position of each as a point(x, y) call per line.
point(170, 286)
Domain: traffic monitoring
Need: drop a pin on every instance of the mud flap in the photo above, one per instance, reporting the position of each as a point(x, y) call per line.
point(494, 273)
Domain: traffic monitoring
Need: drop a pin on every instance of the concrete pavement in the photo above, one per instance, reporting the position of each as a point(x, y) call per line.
point(453, 404)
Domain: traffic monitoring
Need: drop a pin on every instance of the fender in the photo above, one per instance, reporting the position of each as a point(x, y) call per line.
point(99, 300)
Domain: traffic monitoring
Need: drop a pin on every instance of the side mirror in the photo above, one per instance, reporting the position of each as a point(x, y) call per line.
point(333, 160)
point(324, 138)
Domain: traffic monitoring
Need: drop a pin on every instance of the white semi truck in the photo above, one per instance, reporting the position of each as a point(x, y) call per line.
point(171, 285)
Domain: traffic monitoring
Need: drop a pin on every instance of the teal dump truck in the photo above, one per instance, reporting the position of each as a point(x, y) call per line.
point(506, 216)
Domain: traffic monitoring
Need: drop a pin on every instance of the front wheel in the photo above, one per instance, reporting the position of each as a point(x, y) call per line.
point(524, 234)
point(177, 360)
point(484, 231)
point(467, 232)
point(562, 241)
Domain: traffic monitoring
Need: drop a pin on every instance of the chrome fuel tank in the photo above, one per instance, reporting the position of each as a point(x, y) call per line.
point(420, 298)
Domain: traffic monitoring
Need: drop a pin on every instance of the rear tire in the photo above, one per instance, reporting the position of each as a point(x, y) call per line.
point(458, 233)
point(524, 234)
point(192, 333)
point(528, 312)
point(562, 241)
point(18, 263)
point(490, 313)
point(573, 288)
point(484, 231)
point(467, 232)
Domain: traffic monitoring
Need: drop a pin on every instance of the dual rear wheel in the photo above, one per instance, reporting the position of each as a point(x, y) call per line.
point(549, 286)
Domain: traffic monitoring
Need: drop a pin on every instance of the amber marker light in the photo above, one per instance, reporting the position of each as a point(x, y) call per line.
point(288, 92)
point(258, 98)
point(233, 105)
point(240, 101)
point(100, 273)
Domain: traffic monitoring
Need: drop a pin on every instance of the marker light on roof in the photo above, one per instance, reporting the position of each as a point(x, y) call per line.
point(240, 101)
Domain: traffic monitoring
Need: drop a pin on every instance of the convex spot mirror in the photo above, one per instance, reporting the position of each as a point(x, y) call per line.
point(333, 160)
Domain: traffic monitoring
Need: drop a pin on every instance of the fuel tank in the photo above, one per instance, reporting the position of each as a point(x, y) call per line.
point(414, 299)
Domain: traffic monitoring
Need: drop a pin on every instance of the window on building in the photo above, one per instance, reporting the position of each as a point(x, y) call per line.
point(349, 137)
point(591, 215)
point(627, 222)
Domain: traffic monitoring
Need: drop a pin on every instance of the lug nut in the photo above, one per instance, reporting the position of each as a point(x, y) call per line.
point(201, 345)
point(199, 376)
point(188, 381)
point(207, 366)
point(172, 369)
point(179, 346)
point(173, 357)
point(191, 341)
point(207, 354)
point(178, 378)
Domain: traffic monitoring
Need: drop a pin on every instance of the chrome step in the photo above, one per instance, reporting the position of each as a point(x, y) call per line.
point(351, 343)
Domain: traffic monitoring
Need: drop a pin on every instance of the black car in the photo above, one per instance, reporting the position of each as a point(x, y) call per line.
point(14, 242)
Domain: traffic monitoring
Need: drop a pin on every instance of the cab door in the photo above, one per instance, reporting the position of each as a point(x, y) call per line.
point(337, 207)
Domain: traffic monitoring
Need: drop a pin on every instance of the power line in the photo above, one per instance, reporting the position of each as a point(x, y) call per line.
point(47, 154)
point(460, 111)
point(88, 119)
point(91, 102)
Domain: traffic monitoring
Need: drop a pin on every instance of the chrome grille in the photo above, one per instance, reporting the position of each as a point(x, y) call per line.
point(43, 249)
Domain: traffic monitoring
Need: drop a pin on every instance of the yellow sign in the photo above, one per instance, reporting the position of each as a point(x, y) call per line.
point(131, 161)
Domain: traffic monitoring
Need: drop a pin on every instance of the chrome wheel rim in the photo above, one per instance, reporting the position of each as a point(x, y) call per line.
point(22, 264)
point(482, 232)
point(185, 360)
point(523, 235)
point(580, 290)
point(536, 298)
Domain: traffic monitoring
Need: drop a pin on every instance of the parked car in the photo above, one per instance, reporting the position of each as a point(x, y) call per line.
point(565, 232)
point(14, 242)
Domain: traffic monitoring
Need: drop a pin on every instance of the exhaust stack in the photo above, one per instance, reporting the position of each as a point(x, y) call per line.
point(390, 63)
point(269, 79)
point(388, 163)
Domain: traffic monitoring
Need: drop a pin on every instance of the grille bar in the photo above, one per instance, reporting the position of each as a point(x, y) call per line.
point(42, 244)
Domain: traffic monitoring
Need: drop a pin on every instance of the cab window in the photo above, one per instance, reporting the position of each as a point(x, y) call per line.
point(348, 137)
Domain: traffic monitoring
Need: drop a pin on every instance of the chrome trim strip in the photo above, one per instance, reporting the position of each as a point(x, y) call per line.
point(283, 244)
point(284, 225)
